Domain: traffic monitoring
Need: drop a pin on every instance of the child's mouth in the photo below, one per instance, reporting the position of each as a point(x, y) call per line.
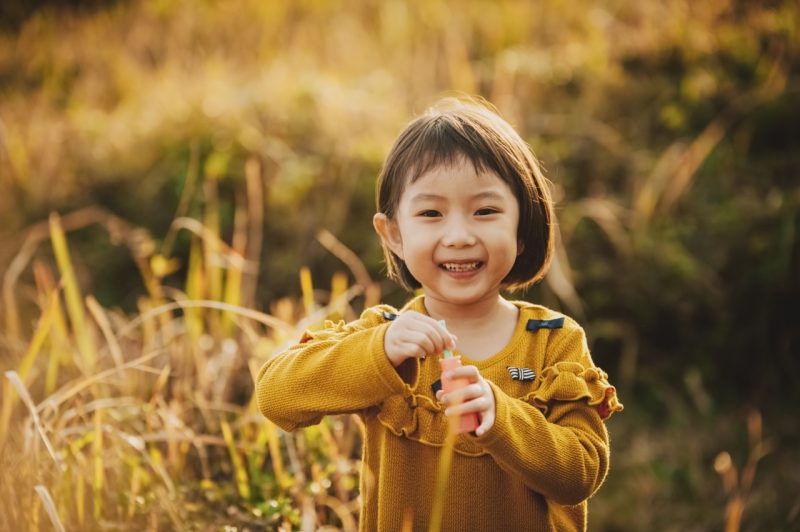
point(461, 267)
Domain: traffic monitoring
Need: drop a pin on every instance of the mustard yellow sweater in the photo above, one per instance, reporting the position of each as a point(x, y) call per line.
point(545, 455)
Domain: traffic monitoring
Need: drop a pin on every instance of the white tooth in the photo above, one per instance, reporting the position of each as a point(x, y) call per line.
point(461, 267)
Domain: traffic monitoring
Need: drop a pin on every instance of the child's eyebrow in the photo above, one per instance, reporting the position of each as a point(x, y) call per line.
point(422, 196)
point(425, 196)
point(491, 195)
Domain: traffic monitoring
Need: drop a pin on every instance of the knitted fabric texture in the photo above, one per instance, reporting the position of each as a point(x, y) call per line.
point(545, 455)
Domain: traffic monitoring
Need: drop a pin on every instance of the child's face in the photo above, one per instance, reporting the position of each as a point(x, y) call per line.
point(456, 230)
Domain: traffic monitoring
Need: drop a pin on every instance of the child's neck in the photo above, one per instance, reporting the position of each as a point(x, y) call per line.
point(482, 328)
point(476, 312)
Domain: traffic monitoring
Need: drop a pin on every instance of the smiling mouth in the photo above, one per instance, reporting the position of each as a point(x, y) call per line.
point(459, 267)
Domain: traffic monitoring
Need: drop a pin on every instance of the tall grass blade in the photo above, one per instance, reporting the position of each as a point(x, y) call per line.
point(353, 263)
point(442, 479)
point(99, 472)
point(71, 389)
point(255, 218)
point(59, 344)
point(34, 513)
point(275, 455)
point(136, 484)
point(212, 251)
point(233, 273)
point(261, 317)
point(189, 185)
point(49, 507)
point(101, 319)
point(72, 294)
point(13, 377)
point(240, 472)
point(338, 304)
point(39, 336)
point(10, 278)
point(80, 498)
point(307, 288)
point(195, 282)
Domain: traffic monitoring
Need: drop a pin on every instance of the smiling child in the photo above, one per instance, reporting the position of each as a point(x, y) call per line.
point(464, 213)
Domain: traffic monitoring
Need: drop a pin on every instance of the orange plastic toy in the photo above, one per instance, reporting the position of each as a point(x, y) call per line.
point(465, 422)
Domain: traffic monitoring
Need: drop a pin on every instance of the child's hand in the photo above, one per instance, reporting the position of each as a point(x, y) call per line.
point(476, 397)
point(415, 335)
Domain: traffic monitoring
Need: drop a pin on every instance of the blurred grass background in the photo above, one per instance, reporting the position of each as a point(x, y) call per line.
point(185, 186)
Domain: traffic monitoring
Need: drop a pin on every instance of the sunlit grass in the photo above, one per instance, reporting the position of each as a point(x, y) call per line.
point(144, 418)
point(149, 417)
point(160, 427)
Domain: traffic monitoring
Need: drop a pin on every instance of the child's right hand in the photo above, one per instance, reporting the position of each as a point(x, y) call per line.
point(415, 335)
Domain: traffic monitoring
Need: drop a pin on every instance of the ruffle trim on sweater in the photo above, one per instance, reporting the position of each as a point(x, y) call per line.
point(422, 419)
point(571, 381)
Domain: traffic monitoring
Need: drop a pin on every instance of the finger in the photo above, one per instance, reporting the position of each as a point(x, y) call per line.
point(478, 405)
point(487, 421)
point(464, 372)
point(462, 395)
point(487, 417)
point(425, 331)
point(408, 331)
point(422, 340)
point(411, 350)
point(448, 338)
point(443, 337)
point(440, 337)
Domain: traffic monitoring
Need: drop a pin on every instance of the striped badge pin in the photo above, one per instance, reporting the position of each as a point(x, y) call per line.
point(521, 374)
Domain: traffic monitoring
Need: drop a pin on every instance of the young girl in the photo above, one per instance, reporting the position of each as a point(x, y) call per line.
point(463, 213)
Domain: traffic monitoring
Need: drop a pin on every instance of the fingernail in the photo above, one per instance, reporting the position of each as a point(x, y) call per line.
point(447, 412)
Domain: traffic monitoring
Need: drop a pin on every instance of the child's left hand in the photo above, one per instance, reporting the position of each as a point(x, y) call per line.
point(475, 397)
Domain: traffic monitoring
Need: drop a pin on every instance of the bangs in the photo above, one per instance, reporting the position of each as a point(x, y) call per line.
point(441, 142)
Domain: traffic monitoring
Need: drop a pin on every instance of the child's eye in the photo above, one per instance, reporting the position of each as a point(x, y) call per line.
point(486, 211)
point(430, 213)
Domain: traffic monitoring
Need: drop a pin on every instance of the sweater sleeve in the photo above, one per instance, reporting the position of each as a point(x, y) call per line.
point(341, 368)
point(554, 438)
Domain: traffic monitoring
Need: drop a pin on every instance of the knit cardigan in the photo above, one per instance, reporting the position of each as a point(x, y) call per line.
point(545, 455)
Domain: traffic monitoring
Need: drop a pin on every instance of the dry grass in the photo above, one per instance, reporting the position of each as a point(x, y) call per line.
point(115, 421)
point(148, 418)
point(144, 419)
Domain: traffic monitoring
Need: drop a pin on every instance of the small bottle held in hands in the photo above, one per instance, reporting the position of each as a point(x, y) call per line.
point(465, 422)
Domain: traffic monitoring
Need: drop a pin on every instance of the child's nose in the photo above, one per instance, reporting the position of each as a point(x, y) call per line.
point(458, 235)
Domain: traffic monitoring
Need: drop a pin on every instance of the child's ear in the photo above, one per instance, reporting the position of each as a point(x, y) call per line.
point(389, 233)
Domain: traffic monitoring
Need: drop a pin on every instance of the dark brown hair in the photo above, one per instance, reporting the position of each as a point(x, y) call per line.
point(456, 128)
